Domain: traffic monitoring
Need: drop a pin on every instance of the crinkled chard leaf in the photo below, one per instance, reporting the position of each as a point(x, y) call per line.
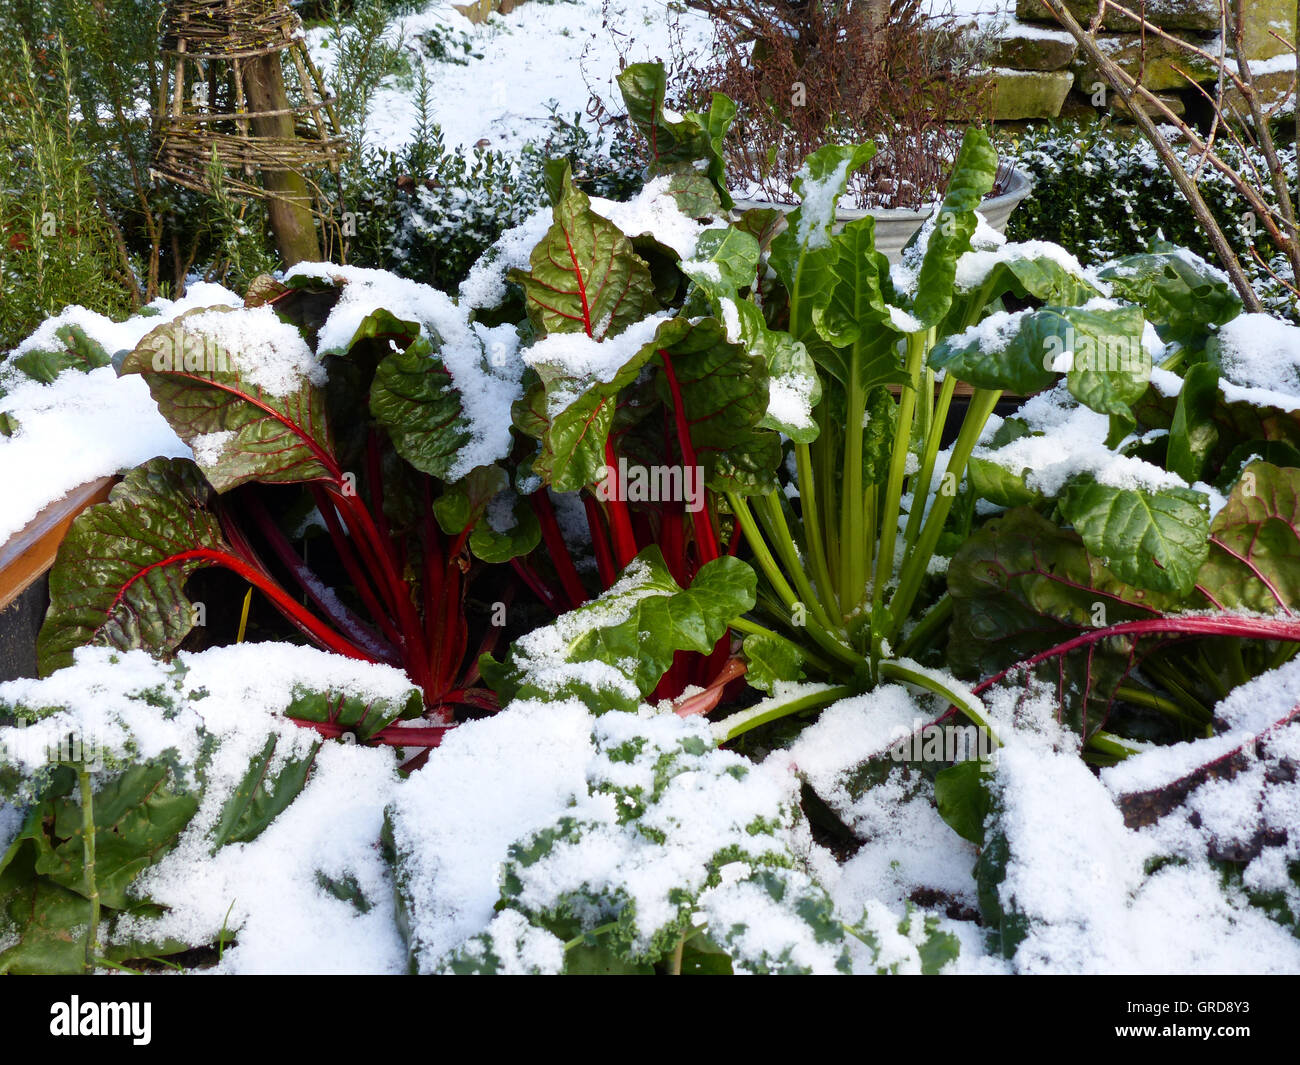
point(119, 578)
point(361, 717)
point(949, 232)
point(1184, 297)
point(584, 275)
point(77, 352)
point(1254, 558)
point(802, 254)
point(240, 432)
point(414, 398)
point(611, 652)
point(678, 140)
point(1153, 539)
point(1193, 435)
point(1020, 586)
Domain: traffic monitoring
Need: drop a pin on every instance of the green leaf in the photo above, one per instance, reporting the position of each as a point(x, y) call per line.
point(1101, 350)
point(139, 814)
point(1183, 296)
point(1007, 927)
point(856, 303)
point(382, 327)
point(695, 195)
point(1193, 434)
point(791, 372)
point(240, 432)
point(735, 253)
point(119, 578)
point(262, 795)
point(363, 717)
point(507, 529)
point(1108, 367)
point(1154, 539)
point(611, 652)
point(78, 352)
point(802, 254)
point(950, 231)
point(1032, 275)
point(725, 392)
point(584, 275)
point(692, 138)
point(414, 398)
point(578, 412)
point(772, 661)
point(1000, 485)
point(962, 796)
point(1254, 559)
point(1019, 586)
point(715, 122)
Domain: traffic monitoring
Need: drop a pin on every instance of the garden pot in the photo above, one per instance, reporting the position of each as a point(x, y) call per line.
point(25, 560)
point(894, 228)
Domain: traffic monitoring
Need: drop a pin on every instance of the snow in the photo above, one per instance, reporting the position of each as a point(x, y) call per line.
point(81, 427)
point(484, 362)
point(586, 360)
point(1260, 359)
point(1072, 442)
point(270, 354)
point(71, 431)
point(485, 285)
point(789, 398)
point(851, 732)
point(491, 782)
point(266, 891)
point(507, 92)
point(974, 267)
point(653, 212)
point(114, 337)
point(817, 205)
point(1079, 877)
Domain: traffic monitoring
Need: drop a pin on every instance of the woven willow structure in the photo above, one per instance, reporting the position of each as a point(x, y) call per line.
point(214, 51)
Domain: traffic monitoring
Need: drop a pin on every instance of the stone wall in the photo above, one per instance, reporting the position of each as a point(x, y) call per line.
point(1040, 73)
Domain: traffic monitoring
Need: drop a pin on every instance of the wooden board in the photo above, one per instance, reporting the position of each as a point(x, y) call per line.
point(30, 552)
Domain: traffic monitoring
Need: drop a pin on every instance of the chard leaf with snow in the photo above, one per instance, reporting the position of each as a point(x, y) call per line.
point(802, 254)
point(1024, 271)
point(244, 391)
point(949, 232)
point(78, 352)
point(1180, 293)
point(414, 398)
point(1099, 350)
point(612, 652)
point(1153, 539)
point(584, 275)
point(1254, 554)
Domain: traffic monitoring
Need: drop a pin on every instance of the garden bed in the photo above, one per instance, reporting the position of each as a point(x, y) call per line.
point(690, 590)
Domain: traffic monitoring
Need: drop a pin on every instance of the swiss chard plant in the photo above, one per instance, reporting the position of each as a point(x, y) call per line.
point(324, 476)
point(843, 422)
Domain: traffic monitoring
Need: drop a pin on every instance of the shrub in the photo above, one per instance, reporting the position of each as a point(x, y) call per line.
point(1102, 194)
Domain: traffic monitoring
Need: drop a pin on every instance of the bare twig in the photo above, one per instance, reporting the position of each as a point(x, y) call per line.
point(1136, 100)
